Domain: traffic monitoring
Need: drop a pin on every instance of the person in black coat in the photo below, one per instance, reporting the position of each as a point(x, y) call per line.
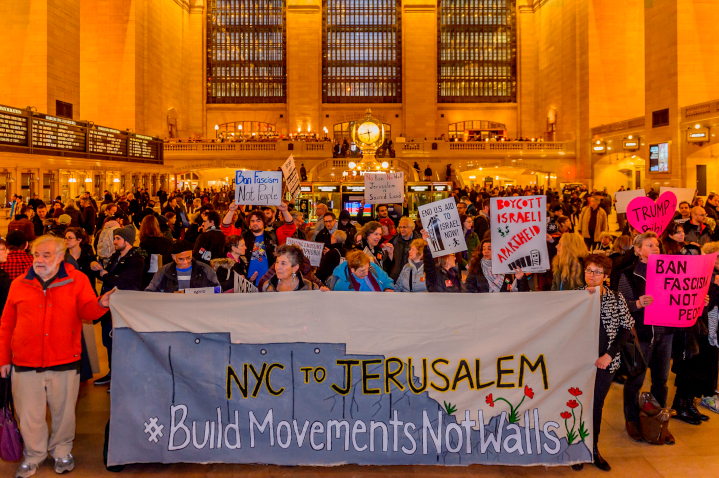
point(481, 279)
point(333, 255)
point(442, 275)
point(156, 245)
point(210, 244)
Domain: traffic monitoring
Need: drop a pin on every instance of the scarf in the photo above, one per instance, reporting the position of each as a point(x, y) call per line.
point(494, 281)
point(372, 281)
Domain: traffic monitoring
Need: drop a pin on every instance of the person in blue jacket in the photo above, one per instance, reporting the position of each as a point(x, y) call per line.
point(359, 274)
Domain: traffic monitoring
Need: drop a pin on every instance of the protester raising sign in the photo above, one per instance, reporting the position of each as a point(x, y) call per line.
point(260, 188)
point(646, 215)
point(312, 250)
point(519, 234)
point(384, 188)
point(292, 179)
point(678, 285)
point(441, 220)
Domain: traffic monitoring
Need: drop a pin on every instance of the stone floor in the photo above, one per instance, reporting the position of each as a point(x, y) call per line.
point(695, 454)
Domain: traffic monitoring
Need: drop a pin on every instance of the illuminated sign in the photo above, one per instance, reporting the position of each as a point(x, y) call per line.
point(659, 158)
point(440, 187)
point(599, 147)
point(353, 189)
point(327, 189)
point(630, 144)
point(306, 189)
point(419, 188)
point(698, 135)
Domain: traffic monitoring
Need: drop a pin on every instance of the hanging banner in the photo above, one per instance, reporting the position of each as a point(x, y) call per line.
point(289, 383)
point(519, 234)
point(384, 188)
point(624, 197)
point(682, 194)
point(242, 285)
point(292, 179)
point(678, 285)
point(312, 250)
point(441, 220)
point(258, 188)
point(645, 215)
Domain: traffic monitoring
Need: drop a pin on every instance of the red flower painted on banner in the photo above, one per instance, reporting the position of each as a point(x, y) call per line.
point(489, 400)
point(566, 415)
point(573, 433)
point(528, 392)
point(575, 391)
point(572, 404)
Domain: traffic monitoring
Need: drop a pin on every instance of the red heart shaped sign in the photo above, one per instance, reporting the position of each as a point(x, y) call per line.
point(647, 215)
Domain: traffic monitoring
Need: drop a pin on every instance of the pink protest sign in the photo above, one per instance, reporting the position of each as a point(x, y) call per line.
point(678, 285)
point(646, 215)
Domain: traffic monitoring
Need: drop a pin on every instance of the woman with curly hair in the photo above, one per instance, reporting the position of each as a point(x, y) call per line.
point(567, 264)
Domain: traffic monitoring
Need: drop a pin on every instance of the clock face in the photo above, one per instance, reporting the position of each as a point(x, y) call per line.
point(368, 133)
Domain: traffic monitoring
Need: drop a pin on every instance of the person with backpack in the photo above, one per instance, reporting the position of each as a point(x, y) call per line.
point(104, 244)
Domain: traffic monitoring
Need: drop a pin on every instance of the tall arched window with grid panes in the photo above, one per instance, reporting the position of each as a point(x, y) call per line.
point(361, 51)
point(476, 51)
point(246, 46)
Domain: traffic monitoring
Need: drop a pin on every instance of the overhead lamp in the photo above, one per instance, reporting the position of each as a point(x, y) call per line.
point(385, 164)
point(217, 127)
point(352, 164)
point(630, 137)
point(697, 126)
point(88, 179)
point(116, 180)
point(473, 177)
point(72, 180)
point(325, 129)
point(239, 126)
point(299, 129)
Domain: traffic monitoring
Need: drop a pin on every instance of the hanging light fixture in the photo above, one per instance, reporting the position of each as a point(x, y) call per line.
point(352, 164)
point(88, 179)
point(385, 164)
point(72, 180)
point(116, 180)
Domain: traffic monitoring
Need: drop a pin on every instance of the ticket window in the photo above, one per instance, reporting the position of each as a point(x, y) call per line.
point(327, 194)
point(418, 196)
point(304, 200)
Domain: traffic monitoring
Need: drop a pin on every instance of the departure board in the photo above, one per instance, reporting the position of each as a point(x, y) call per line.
point(13, 129)
point(57, 133)
point(143, 147)
point(107, 141)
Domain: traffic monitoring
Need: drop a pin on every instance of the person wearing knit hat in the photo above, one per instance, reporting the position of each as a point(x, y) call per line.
point(127, 233)
point(64, 219)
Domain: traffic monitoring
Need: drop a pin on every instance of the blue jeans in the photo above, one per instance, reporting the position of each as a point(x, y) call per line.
point(657, 354)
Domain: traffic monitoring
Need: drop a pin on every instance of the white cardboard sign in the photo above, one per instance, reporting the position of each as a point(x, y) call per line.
point(519, 234)
point(311, 250)
point(292, 179)
point(242, 285)
point(625, 197)
point(384, 188)
point(259, 188)
point(441, 220)
point(682, 194)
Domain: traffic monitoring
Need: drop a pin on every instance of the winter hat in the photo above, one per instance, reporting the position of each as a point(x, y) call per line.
point(127, 233)
point(345, 215)
point(64, 219)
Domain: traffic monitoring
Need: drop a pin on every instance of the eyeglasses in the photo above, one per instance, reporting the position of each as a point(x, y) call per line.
point(593, 272)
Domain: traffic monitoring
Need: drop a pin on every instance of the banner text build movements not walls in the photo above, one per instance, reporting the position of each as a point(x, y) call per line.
point(275, 379)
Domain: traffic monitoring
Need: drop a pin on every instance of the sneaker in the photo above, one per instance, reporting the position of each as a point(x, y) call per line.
point(104, 380)
point(712, 403)
point(66, 463)
point(25, 470)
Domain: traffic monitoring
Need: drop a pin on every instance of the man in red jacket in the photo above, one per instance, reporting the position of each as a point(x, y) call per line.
point(40, 333)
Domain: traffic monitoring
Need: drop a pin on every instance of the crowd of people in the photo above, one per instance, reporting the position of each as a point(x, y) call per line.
point(73, 255)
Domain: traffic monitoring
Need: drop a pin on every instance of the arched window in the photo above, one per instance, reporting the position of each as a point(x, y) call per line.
point(477, 51)
point(246, 51)
point(475, 130)
point(361, 51)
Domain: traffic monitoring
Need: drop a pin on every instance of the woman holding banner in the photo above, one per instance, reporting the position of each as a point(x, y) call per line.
point(567, 264)
point(481, 279)
point(655, 341)
point(287, 276)
point(615, 329)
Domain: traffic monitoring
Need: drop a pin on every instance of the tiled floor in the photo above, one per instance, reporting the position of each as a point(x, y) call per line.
point(695, 454)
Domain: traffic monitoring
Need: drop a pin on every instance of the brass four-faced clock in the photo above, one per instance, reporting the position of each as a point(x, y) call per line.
point(368, 133)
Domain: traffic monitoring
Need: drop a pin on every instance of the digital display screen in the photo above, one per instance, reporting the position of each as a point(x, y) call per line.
point(107, 141)
point(143, 147)
point(13, 129)
point(354, 206)
point(58, 135)
point(659, 158)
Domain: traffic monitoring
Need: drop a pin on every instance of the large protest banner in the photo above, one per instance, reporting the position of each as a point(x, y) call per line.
point(258, 188)
point(519, 234)
point(312, 250)
point(441, 220)
point(272, 378)
point(292, 179)
point(646, 215)
point(384, 188)
point(678, 285)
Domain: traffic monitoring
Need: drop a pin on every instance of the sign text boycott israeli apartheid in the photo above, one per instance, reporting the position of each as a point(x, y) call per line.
point(318, 387)
point(258, 188)
point(519, 234)
point(678, 285)
point(441, 220)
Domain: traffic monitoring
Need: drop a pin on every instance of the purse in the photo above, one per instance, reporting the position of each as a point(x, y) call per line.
point(631, 355)
point(653, 419)
point(11, 443)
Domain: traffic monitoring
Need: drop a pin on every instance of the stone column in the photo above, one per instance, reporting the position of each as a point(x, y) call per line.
point(304, 64)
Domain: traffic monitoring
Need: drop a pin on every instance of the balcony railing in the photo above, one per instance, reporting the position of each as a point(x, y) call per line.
point(619, 126)
point(701, 109)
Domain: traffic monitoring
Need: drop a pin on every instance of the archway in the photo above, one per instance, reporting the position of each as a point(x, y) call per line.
point(619, 169)
point(501, 176)
point(703, 170)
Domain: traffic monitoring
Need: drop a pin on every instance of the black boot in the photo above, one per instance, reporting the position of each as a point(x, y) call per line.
point(681, 405)
point(697, 414)
point(600, 462)
point(578, 467)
